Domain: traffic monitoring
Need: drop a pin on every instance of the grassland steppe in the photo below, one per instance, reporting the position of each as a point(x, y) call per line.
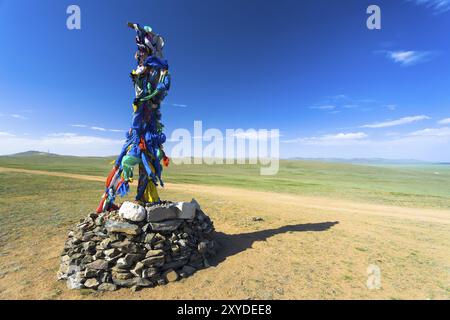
point(323, 225)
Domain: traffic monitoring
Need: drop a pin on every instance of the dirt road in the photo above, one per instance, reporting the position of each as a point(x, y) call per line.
point(280, 199)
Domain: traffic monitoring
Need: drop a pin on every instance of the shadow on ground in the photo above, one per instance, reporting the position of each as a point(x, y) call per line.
point(231, 244)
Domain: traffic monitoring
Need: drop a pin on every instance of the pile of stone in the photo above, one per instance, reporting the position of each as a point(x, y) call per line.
point(137, 247)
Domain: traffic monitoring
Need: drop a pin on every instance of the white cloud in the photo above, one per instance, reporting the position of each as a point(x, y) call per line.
point(256, 135)
point(14, 115)
point(18, 116)
point(444, 121)
point(350, 106)
point(324, 107)
point(62, 143)
point(409, 58)
point(62, 134)
point(179, 105)
point(392, 134)
point(338, 138)
point(98, 128)
point(398, 122)
point(6, 134)
point(432, 132)
point(438, 6)
point(346, 136)
point(391, 107)
point(421, 147)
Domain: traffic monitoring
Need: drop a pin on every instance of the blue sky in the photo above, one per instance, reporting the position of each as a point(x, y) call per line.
point(309, 68)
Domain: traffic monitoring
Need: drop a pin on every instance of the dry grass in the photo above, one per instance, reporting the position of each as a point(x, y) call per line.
point(306, 248)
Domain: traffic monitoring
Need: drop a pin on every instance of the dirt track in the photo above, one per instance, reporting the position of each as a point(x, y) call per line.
point(306, 248)
point(280, 199)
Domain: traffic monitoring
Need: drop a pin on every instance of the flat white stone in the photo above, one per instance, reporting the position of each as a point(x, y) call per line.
point(132, 211)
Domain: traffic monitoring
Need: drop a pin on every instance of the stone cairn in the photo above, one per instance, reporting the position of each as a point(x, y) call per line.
point(137, 247)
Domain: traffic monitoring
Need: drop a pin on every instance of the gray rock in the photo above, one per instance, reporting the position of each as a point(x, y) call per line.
point(141, 282)
point(76, 258)
point(202, 247)
point(106, 244)
point(128, 283)
point(90, 273)
point(116, 236)
point(63, 271)
point(196, 204)
point(175, 264)
point(106, 277)
point(175, 249)
point(113, 260)
point(87, 259)
point(169, 225)
point(171, 275)
point(98, 265)
point(91, 283)
point(182, 242)
point(128, 261)
point(137, 271)
point(154, 253)
point(188, 270)
point(126, 246)
point(111, 252)
point(201, 216)
point(74, 281)
point(159, 246)
point(93, 216)
point(107, 287)
point(154, 261)
point(159, 213)
point(65, 259)
point(150, 237)
point(122, 227)
point(98, 255)
point(149, 273)
point(186, 210)
point(121, 275)
point(88, 236)
point(82, 226)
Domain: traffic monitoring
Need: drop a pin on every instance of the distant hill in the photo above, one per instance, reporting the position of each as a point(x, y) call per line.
point(379, 161)
point(360, 161)
point(40, 154)
point(33, 153)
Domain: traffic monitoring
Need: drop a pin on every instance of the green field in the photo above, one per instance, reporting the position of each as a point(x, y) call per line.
point(408, 185)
